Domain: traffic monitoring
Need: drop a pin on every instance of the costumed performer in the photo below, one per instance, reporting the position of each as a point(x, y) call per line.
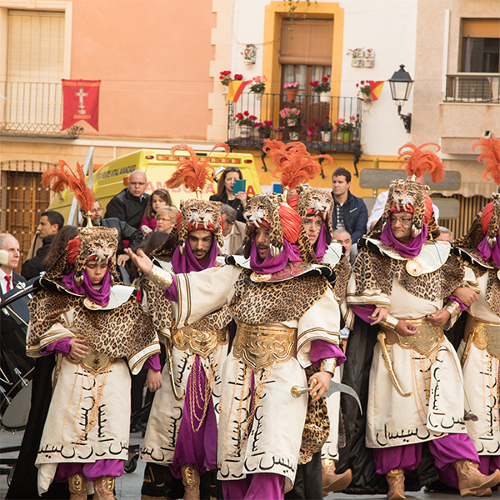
point(182, 427)
point(93, 323)
point(405, 282)
point(480, 348)
point(287, 320)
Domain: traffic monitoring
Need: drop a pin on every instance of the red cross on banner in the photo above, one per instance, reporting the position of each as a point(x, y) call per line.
point(80, 102)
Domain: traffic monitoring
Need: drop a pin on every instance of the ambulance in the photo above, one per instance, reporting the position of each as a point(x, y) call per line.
point(158, 165)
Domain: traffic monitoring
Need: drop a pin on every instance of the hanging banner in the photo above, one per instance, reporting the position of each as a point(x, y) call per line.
point(80, 102)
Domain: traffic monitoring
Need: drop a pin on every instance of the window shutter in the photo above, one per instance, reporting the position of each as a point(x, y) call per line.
point(481, 28)
point(307, 42)
point(35, 46)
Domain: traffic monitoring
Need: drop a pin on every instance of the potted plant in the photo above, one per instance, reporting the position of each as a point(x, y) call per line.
point(246, 121)
point(249, 53)
point(321, 88)
point(312, 133)
point(258, 86)
point(326, 129)
point(279, 133)
point(290, 115)
point(364, 91)
point(291, 89)
point(264, 128)
point(225, 77)
point(346, 128)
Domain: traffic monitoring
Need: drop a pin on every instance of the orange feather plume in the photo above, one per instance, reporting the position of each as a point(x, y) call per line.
point(295, 163)
point(418, 161)
point(192, 173)
point(58, 178)
point(490, 156)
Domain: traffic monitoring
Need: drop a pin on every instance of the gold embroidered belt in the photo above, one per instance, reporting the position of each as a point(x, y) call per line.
point(94, 362)
point(197, 341)
point(485, 336)
point(258, 346)
point(425, 341)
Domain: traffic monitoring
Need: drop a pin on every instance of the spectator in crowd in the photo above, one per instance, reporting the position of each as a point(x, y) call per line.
point(125, 232)
point(166, 217)
point(129, 205)
point(233, 231)
point(446, 234)
point(344, 238)
point(8, 277)
point(378, 207)
point(59, 243)
point(349, 211)
point(50, 223)
point(159, 198)
point(225, 194)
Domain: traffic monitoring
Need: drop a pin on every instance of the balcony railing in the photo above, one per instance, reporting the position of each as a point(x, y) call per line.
point(33, 109)
point(472, 87)
point(311, 111)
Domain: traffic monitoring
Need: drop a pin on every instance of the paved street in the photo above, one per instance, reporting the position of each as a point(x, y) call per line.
point(128, 487)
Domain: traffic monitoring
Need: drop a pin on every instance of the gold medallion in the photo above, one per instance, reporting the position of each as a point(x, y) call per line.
point(414, 268)
point(259, 278)
point(91, 305)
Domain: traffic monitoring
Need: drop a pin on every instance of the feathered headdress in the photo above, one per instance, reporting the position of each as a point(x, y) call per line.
point(194, 174)
point(487, 222)
point(58, 178)
point(410, 195)
point(418, 161)
point(295, 163)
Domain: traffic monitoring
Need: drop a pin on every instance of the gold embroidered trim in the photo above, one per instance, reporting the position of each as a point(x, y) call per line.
point(425, 341)
point(486, 336)
point(197, 341)
point(160, 277)
point(95, 362)
point(258, 346)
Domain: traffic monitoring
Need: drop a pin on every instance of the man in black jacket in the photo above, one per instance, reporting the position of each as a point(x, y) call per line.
point(129, 205)
point(8, 277)
point(50, 224)
point(125, 232)
point(349, 211)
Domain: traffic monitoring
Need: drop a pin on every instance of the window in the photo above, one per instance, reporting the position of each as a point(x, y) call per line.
point(481, 45)
point(480, 59)
point(35, 66)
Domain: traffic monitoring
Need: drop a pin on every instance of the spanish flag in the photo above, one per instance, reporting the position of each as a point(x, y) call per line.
point(376, 89)
point(235, 89)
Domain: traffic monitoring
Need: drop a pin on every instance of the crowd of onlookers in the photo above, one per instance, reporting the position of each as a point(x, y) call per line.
point(144, 221)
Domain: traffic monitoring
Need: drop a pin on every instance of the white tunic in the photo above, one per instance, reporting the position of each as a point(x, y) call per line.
point(481, 378)
point(275, 436)
point(436, 406)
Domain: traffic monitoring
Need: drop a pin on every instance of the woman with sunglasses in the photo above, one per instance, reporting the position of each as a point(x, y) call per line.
point(225, 193)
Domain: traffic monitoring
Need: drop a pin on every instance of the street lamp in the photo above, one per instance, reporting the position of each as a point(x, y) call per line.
point(401, 84)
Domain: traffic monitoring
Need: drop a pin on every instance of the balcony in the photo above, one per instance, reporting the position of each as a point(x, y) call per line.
point(311, 111)
point(33, 110)
point(473, 87)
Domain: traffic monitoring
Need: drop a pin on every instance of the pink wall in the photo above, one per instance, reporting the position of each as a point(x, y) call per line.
point(153, 59)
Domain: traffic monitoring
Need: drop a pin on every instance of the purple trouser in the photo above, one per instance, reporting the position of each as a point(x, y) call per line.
point(446, 451)
point(91, 471)
point(255, 487)
point(199, 448)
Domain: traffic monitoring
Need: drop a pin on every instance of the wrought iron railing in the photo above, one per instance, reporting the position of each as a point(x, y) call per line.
point(473, 87)
point(29, 108)
point(311, 113)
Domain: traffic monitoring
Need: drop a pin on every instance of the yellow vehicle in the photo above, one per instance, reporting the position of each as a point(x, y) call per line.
point(158, 165)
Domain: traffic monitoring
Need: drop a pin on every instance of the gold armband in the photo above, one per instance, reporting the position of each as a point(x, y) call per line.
point(390, 323)
point(328, 365)
point(453, 308)
point(160, 277)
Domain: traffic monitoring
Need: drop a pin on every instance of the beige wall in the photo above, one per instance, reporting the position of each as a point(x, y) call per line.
point(153, 57)
point(456, 126)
